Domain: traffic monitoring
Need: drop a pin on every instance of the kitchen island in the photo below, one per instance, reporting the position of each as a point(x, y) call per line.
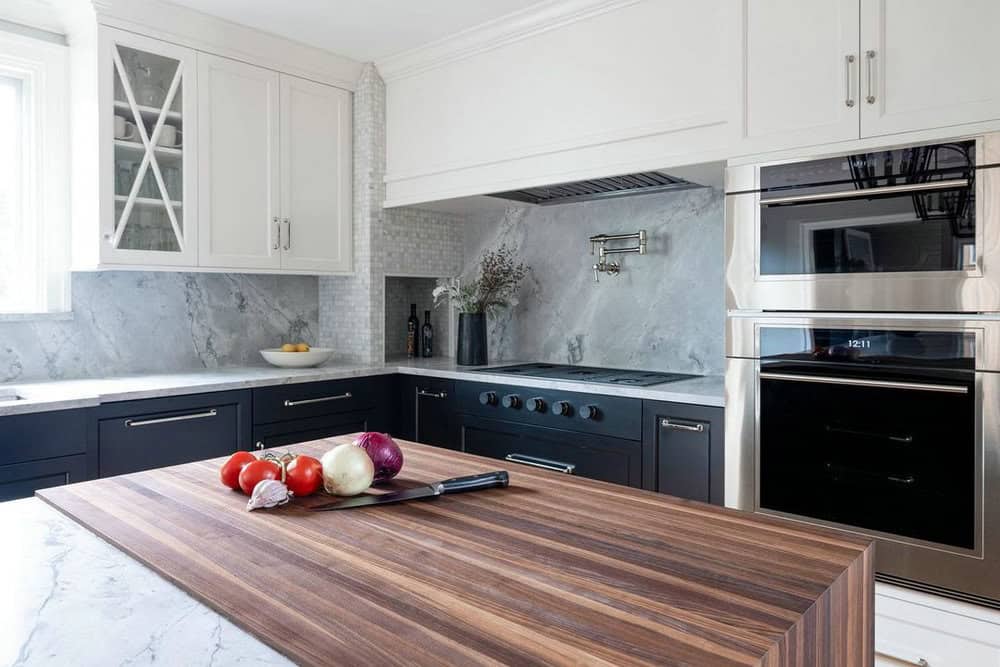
point(552, 569)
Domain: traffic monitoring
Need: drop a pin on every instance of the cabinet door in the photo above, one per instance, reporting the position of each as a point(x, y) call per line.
point(316, 172)
point(929, 64)
point(434, 423)
point(238, 111)
point(149, 134)
point(686, 444)
point(801, 65)
point(314, 428)
point(21, 480)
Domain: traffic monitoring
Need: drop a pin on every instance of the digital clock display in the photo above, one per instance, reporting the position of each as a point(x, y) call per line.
point(869, 346)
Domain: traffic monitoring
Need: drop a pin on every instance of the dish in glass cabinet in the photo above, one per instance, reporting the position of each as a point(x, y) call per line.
point(314, 357)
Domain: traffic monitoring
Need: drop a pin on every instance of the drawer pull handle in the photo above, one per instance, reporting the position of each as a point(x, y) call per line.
point(676, 426)
point(323, 399)
point(164, 420)
point(545, 464)
point(916, 661)
point(432, 394)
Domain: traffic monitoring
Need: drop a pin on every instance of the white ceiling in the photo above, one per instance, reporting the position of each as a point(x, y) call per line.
point(365, 30)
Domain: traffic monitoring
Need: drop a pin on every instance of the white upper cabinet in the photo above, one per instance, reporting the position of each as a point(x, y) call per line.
point(801, 69)
point(316, 174)
point(238, 155)
point(148, 174)
point(931, 64)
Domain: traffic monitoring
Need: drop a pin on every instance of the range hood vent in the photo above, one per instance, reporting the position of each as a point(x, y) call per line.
point(643, 183)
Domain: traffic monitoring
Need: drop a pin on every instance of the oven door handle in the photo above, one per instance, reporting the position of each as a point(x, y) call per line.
point(545, 464)
point(859, 382)
point(928, 186)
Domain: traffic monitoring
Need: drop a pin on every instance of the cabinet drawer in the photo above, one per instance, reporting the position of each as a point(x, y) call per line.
point(42, 435)
point(140, 435)
point(21, 480)
point(314, 428)
point(313, 399)
point(912, 626)
point(608, 459)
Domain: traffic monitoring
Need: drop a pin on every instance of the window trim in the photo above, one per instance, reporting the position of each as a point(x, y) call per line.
point(43, 66)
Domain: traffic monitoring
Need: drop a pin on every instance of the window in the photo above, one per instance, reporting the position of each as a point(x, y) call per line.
point(34, 220)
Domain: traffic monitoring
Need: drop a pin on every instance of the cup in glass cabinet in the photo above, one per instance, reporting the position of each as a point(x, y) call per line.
point(170, 137)
point(125, 130)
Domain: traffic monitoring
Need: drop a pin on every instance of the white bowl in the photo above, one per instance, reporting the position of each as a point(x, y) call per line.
point(314, 357)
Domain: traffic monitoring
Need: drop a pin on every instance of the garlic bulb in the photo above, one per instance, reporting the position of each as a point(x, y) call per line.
point(267, 493)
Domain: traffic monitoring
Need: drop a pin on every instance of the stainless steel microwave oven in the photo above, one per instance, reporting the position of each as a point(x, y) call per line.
point(905, 229)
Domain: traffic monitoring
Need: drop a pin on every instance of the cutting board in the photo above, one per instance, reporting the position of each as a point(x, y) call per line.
point(551, 570)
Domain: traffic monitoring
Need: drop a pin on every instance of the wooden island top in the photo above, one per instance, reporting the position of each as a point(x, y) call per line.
point(551, 570)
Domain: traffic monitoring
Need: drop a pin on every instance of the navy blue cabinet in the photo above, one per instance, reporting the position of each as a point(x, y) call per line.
point(687, 449)
point(426, 411)
point(290, 413)
point(158, 432)
point(43, 449)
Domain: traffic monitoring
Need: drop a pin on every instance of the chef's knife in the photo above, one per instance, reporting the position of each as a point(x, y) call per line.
point(486, 480)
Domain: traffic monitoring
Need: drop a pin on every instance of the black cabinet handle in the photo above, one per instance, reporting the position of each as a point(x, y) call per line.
point(165, 420)
point(677, 426)
point(545, 464)
point(323, 399)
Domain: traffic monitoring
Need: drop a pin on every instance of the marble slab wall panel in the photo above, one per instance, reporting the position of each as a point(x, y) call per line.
point(134, 321)
point(665, 311)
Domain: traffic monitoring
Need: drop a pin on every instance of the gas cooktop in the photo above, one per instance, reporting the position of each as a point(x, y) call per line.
point(586, 374)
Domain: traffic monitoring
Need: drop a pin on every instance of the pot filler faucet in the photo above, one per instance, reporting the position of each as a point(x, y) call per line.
point(601, 241)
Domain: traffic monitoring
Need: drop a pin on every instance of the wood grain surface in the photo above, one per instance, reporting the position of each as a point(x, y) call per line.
point(552, 570)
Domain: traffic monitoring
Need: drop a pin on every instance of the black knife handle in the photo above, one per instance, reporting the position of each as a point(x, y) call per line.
point(487, 480)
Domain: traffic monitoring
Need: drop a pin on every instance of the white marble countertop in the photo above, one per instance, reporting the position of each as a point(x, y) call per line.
point(66, 394)
point(71, 598)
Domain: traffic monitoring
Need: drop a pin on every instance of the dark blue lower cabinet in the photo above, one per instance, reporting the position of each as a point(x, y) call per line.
point(153, 433)
point(43, 449)
point(281, 434)
point(687, 450)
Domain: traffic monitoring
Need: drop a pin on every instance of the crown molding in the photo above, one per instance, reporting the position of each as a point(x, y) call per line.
point(514, 27)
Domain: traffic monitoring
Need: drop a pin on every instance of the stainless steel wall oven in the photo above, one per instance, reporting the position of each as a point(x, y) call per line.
point(888, 426)
point(906, 229)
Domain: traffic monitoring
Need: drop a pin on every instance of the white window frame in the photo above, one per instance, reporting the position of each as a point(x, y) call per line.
point(42, 67)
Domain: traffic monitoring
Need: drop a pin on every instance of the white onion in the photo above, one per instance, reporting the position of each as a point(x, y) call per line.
point(347, 470)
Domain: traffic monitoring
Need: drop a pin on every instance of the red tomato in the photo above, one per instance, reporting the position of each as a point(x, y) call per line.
point(230, 471)
point(304, 475)
point(256, 472)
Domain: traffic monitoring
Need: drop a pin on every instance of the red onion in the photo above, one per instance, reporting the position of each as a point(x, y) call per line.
point(384, 453)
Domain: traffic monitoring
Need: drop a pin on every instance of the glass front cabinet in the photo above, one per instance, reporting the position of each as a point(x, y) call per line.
point(148, 171)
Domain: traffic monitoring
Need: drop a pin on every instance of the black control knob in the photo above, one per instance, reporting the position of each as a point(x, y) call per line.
point(511, 401)
point(589, 412)
point(535, 404)
point(488, 398)
point(562, 408)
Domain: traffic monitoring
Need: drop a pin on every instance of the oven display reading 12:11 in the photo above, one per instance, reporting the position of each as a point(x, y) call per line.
point(859, 343)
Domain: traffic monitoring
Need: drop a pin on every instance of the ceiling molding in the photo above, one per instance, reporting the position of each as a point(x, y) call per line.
point(508, 29)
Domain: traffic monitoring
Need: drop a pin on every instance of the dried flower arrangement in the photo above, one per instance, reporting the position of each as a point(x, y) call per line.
point(494, 288)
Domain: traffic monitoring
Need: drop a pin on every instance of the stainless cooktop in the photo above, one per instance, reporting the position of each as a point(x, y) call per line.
point(592, 374)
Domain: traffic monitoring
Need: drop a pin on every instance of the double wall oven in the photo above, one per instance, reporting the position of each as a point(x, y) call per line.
point(863, 354)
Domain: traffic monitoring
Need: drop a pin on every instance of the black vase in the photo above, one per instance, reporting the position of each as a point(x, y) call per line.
point(471, 339)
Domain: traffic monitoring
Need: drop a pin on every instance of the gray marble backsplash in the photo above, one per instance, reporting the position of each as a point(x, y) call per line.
point(665, 311)
point(133, 321)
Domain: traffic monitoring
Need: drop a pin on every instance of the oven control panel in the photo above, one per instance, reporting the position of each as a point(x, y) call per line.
point(591, 413)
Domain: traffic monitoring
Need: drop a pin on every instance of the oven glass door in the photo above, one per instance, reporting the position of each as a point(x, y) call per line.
point(904, 210)
point(870, 429)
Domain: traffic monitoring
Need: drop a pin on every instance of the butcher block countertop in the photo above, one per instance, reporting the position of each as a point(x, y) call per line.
point(551, 570)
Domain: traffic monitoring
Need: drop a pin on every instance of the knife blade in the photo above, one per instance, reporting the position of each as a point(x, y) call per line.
point(488, 480)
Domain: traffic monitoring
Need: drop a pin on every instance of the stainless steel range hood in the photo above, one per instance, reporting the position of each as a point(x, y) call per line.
point(642, 183)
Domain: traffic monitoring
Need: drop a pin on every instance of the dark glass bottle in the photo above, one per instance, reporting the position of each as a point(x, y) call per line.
point(412, 333)
point(427, 336)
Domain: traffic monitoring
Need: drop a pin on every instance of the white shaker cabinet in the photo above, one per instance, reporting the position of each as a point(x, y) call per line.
point(238, 154)
point(148, 174)
point(275, 162)
point(927, 64)
point(316, 175)
point(801, 69)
